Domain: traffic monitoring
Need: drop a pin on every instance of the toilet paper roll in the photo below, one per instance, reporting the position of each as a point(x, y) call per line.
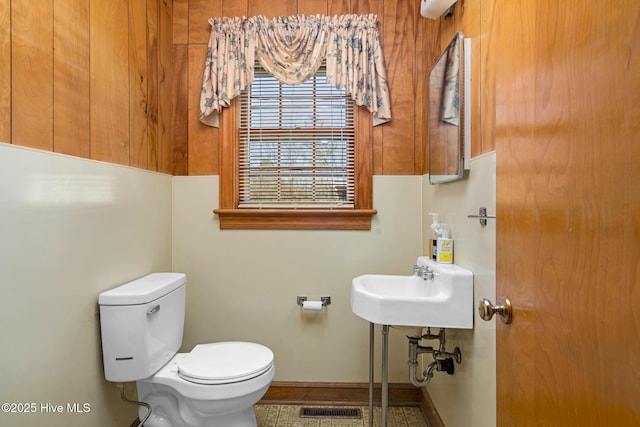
point(434, 8)
point(312, 306)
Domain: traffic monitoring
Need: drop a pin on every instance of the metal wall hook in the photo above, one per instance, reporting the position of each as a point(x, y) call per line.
point(482, 215)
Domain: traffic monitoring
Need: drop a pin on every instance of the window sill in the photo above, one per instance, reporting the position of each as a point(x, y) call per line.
point(295, 219)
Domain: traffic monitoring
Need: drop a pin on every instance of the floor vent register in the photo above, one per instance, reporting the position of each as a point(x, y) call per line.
point(353, 413)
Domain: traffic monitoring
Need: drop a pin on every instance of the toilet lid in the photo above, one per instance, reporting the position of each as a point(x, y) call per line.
point(225, 362)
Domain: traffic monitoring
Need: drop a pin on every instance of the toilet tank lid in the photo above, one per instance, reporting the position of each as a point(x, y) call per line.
point(143, 290)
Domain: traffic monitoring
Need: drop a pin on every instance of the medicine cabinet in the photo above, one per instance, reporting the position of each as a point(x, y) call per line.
point(449, 118)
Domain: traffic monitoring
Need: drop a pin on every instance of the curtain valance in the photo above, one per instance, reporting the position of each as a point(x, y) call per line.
point(292, 48)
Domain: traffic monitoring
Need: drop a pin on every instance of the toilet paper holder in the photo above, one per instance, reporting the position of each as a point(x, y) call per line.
point(324, 300)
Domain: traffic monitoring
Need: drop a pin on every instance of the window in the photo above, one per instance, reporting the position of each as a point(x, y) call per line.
point(296, 144)
point(295, 156)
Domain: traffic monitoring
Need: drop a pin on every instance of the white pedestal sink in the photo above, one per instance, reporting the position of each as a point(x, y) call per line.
point(444, 299)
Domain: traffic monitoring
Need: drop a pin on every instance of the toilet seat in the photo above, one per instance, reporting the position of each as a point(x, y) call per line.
point(225, 362)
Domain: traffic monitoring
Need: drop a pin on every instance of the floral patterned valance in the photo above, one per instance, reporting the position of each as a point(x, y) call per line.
point(292, 48)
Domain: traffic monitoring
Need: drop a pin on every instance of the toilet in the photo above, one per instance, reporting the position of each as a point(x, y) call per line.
point(215, 384)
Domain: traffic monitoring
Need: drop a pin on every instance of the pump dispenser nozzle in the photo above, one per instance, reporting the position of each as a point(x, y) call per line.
point(437, 228)
point(434, 223)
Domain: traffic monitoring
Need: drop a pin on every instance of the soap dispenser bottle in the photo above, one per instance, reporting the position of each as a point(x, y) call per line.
point(433, 239)
point(445, 247)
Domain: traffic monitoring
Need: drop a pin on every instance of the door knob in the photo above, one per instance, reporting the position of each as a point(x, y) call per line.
point(486, 309)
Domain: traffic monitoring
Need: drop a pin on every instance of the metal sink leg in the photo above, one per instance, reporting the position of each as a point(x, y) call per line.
point(385, 380)
point(371, 342)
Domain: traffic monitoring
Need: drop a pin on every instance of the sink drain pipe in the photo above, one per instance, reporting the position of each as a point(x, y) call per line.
point(442, 360)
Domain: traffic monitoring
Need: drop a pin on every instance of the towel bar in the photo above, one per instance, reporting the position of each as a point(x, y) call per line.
point(482, 216)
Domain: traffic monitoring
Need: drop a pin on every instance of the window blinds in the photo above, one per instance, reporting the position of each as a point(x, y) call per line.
point(296, 144)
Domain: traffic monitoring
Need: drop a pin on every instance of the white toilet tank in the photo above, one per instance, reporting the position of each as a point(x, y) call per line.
point(142, 324)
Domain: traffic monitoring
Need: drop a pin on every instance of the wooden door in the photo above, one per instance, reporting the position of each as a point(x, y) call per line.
point(568, 212)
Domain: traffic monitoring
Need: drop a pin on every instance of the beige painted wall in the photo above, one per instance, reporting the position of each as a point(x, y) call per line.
point(468, 398)
point(243, 284)
point(69, 229)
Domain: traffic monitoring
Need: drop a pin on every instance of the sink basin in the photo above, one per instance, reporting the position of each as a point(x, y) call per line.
point(445, 301)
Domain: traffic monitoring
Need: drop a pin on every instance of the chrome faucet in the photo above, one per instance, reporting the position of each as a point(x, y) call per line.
point(423, 272)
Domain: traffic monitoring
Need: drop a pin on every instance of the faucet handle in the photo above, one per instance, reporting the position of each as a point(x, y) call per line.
point(423, 271)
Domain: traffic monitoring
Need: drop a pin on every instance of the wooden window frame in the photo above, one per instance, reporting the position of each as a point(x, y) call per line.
point(358, 218)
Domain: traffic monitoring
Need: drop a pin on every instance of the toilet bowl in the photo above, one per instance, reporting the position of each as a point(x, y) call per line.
point(215, 384)
point(191, 390)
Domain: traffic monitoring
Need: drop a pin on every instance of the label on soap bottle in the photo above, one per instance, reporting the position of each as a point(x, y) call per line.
point(434, 249)
point(445, 251)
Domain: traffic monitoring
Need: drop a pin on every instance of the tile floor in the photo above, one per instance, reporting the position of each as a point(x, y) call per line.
point(288, 416)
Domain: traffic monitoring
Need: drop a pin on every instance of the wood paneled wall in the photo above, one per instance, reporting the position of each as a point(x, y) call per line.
point(119, 81)
point(89, 78)
point(398, 145)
